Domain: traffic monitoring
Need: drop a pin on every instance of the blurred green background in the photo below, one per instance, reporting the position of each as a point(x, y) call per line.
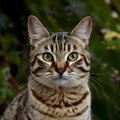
point(63, 15)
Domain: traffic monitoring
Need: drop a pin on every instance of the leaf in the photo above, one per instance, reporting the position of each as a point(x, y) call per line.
point(111, 35)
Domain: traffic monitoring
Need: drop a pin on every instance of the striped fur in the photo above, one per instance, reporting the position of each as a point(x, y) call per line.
point(57, 89)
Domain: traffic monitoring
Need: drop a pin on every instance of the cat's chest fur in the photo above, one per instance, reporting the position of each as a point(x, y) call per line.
point(60, 104)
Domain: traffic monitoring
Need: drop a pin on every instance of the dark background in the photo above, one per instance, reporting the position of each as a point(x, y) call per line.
point(63, 15)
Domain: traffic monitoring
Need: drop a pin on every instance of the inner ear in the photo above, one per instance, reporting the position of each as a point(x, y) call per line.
point(36, 30)
point(83, 29)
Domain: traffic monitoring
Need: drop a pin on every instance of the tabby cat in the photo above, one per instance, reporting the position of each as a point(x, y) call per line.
point(57, 87)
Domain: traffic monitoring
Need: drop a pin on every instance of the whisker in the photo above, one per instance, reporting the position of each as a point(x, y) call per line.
point(92, 86)
point(95, 80)
point(98, 78)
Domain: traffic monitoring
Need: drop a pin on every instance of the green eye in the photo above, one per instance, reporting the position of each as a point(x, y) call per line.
point(73, 56)
point(47, 57)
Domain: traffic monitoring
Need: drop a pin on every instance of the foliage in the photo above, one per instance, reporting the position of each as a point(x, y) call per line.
point(59, 15)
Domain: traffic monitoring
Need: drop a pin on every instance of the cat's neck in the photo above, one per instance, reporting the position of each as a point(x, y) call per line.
point(61, 96)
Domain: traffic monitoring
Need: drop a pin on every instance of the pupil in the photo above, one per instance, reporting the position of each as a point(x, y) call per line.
point(73, 56)
point(48, 56)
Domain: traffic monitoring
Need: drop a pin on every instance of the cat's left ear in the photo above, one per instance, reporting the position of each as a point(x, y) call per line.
point(83, 30)
point(36, 30)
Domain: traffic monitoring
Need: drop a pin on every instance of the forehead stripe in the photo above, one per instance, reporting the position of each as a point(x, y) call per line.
point(51, 47)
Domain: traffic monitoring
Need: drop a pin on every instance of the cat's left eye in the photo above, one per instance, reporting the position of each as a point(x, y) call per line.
point(47, 57)
point(73, 56)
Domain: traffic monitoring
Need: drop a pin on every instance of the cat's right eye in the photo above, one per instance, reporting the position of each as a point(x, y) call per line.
point(47, 57)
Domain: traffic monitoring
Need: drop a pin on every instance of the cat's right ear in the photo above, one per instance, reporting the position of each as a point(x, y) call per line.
point(36, 30)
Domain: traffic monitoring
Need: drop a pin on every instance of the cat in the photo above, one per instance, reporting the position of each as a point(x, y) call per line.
point(57, 87)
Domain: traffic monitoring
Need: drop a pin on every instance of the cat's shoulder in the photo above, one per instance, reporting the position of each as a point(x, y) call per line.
point(21, 96)
point(16, 106)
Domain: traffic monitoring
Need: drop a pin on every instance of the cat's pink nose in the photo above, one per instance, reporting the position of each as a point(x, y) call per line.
point(60, 71)
point(60, 67)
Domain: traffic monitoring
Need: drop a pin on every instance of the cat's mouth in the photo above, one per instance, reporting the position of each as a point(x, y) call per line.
point(61, 80)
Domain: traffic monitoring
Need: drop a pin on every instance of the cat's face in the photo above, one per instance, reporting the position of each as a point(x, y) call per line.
point(59, 59)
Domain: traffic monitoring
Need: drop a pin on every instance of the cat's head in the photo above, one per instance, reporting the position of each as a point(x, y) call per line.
point(60, 59)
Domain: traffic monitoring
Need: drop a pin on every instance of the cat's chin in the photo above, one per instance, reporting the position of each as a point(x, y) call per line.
point(61, 81)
